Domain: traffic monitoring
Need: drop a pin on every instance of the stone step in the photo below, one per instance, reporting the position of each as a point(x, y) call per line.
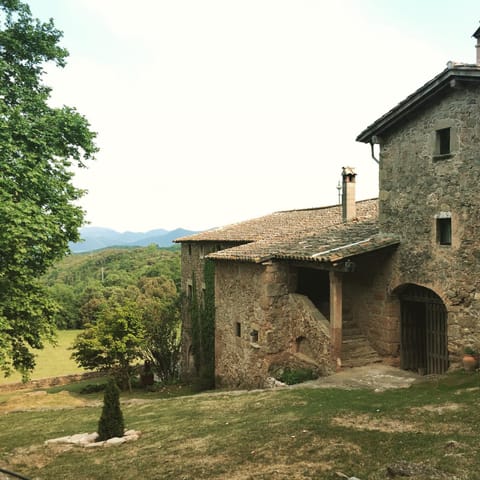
point(351, 332)
point(360, 362)
point(360, 353)
point(357, 352)
point(356, 349)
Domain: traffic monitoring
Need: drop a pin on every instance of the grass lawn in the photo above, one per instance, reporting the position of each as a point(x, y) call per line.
point(429, 430)
point(52, 361)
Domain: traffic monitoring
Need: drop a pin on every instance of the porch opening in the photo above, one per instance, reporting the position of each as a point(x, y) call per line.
point(315, 284)
point(423, 330)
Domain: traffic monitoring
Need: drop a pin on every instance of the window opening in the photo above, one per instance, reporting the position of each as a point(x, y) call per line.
point(444, 231)
point(443, 141)
point(254, 336)
point(238, 329)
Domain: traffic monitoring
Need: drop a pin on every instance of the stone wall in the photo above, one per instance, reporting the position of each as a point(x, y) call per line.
point(261, 324)
point(416, 186)
point(366, 294)
point(193, 261)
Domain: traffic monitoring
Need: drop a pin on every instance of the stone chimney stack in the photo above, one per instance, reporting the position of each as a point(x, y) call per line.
point(477, 46)
point(349, 209)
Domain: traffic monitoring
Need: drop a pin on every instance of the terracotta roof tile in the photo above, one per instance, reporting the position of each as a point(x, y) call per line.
point(316, 235)
point(284, 224)
point(330, 244)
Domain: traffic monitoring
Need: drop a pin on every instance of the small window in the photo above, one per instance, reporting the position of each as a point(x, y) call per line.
point(442, 146)
point(189, 290)
point(238, 329)
point(444, 231)
point(189, 248)
point(254, 336)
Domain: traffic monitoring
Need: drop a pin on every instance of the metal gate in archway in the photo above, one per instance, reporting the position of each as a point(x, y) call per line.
point(423, 329)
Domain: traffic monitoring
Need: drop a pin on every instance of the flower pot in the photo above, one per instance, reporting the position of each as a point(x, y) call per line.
point(470, 362)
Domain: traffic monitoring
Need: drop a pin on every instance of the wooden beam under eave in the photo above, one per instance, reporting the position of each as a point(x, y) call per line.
point(336, 307)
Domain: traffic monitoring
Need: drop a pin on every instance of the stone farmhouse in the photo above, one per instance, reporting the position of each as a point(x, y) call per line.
point(394, 278)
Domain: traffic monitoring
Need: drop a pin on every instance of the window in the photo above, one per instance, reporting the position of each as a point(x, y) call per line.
point(444, 231)
point(238, 329)
point(189, 290)
point(189, 248)
point(254, 336)
point(442, 142)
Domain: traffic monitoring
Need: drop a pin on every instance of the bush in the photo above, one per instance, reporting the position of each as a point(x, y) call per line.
point(291, 376)
point(93, 388)
point(111, 421)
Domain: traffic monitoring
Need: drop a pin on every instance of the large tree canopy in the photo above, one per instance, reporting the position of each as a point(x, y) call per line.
point(38, 146)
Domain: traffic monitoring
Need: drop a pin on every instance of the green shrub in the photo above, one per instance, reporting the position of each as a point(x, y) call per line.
point(291, 376)
point(93, 388)
point(111, 421)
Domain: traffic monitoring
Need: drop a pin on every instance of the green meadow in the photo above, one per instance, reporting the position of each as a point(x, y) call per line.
point(428, 431)
point(53, 360)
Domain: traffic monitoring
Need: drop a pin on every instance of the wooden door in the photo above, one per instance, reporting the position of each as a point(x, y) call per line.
point(423, 328)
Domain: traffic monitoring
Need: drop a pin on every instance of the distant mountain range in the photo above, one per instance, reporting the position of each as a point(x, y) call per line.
point(95, 238)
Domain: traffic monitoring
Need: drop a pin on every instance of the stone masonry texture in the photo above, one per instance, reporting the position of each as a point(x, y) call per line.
point(416, 186)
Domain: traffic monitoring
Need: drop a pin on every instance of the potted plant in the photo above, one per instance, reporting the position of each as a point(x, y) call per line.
point(470, 358)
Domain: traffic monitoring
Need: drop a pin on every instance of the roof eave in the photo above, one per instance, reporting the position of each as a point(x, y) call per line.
point(239, 258)
point(334, 257)
point(432, 88)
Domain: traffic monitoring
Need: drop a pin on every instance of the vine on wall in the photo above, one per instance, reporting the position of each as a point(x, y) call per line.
point(202, 314)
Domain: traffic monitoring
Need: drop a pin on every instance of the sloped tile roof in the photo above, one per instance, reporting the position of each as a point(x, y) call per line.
point(316, 235)
point(283, 225)
point(330, 244)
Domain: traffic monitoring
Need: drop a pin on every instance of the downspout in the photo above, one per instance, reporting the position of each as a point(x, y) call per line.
point(373, 152)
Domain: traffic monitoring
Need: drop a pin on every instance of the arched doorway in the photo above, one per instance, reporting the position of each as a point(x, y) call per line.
point(423, 330)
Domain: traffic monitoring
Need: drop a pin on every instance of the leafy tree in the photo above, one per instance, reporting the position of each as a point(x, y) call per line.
point(67, 315)
point(92, 300)
point(160, 307)
point(111, 422)
point(162, 336)
point(38, 146)
point(113, 343)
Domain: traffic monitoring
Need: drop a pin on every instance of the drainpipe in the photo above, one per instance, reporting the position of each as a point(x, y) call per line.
point(374, 140)
point(373, 153)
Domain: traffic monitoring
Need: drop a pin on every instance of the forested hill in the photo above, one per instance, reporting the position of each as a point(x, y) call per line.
point(95, 238)
point(80, 283)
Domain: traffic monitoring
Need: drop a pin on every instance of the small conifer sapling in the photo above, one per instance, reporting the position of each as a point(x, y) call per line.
point(111, 421)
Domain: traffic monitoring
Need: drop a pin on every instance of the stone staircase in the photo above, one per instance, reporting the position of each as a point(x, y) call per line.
point(356, 349)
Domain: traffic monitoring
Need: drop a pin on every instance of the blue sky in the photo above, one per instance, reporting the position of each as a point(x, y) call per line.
point(210, 112)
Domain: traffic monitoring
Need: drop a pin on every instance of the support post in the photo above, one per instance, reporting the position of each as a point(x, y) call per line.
point(336, 316)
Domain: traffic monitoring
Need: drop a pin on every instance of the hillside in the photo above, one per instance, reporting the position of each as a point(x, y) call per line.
point(96, 238)
point(80, 283)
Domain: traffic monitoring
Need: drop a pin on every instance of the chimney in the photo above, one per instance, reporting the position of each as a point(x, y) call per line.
point(349, 210)
point(477, 46)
